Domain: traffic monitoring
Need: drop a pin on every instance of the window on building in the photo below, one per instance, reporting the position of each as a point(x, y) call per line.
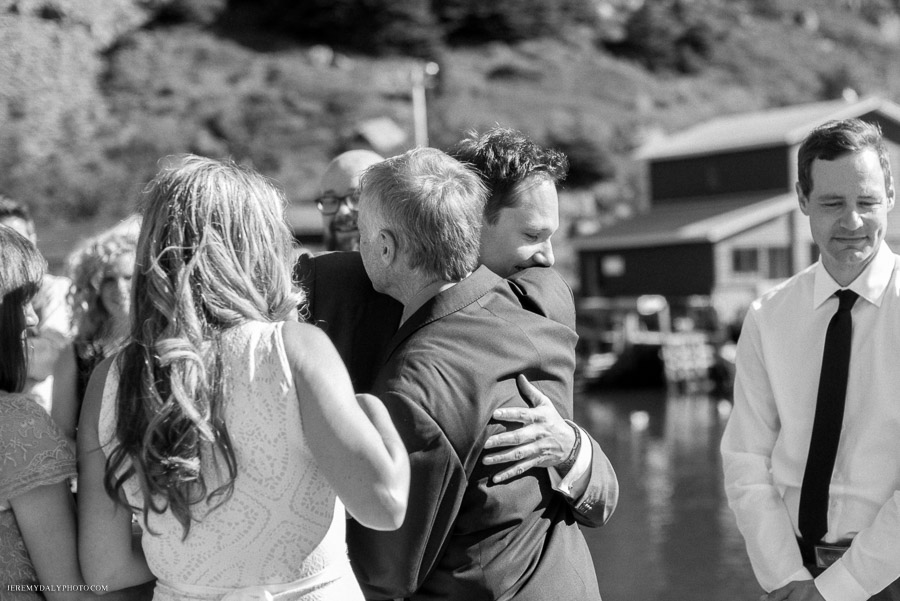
point(590, 281)
point(779, 262)
point(613, 266)
point(745, 260)
point(713, 182)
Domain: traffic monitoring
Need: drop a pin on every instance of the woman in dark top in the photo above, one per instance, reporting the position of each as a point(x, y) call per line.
point(101, 272)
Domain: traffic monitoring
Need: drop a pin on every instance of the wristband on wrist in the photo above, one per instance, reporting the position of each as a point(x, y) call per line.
point(564, 467)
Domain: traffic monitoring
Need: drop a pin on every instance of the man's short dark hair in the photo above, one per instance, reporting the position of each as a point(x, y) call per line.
point(505, 157)
point(10, 208)
point(834, 139)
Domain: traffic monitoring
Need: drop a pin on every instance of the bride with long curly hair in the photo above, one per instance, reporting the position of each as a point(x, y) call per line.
point(226, 426)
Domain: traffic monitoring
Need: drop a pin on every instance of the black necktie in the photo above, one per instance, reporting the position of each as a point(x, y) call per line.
point(813, 517)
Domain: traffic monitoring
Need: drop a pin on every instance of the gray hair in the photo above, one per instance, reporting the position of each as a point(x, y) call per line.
point(433, 205)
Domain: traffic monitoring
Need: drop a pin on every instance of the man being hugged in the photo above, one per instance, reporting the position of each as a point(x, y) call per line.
point(464, 338)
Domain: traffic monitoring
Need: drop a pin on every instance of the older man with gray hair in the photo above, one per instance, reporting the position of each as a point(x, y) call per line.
point(463, 340)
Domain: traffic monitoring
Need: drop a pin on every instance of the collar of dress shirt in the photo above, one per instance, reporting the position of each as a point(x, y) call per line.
point(422, 297)
point(870, 284)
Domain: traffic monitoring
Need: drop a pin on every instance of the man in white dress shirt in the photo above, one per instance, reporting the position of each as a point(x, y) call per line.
point(846, 190)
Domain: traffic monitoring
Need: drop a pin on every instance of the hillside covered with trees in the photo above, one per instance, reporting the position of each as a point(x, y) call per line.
point(94, 92)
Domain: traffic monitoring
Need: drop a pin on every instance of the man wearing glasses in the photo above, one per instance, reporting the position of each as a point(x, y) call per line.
point(339, 196)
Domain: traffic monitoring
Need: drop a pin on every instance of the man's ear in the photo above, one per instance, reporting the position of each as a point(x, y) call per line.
point(804, 201)
point(387, 246)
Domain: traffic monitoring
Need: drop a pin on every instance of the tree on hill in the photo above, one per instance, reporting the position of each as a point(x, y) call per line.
point(474, 21)
point(366, 26)
point(414, 27)
point(669, 35)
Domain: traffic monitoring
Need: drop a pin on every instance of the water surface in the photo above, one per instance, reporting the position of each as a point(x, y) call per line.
point(673, 537)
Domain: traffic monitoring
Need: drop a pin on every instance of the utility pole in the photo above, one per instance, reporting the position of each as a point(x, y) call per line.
point(420, 77)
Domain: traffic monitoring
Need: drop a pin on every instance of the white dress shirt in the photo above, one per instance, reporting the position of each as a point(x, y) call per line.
point(766, 441)
point(574, 484)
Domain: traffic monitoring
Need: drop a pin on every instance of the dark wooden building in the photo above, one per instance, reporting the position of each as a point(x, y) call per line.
point(724, 221)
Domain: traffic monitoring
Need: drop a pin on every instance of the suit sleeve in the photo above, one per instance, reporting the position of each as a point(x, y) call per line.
point(599, 500)
point(394, 564)
point(544, 292)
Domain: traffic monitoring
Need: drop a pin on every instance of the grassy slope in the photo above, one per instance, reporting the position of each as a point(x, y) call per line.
point(269, 101)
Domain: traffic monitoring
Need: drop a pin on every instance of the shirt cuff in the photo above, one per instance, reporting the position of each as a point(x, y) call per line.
point(837, 584)
point(801, 574)
point(567, 485)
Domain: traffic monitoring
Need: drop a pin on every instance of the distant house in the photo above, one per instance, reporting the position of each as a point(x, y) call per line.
point(381, 134)
point(724, 222)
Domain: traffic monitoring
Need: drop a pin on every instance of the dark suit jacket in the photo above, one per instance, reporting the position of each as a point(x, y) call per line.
point(341, 301)
point(361, 322)
point(448, 368)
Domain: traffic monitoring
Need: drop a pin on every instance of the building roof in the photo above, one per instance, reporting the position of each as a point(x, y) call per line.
point(688, 221)
point(776, 127)
point(382, 134)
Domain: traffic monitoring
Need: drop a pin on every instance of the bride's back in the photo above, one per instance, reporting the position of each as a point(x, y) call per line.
point(282, 521)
